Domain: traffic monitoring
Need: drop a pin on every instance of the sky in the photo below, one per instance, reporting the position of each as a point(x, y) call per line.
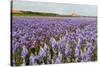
point(59, 8)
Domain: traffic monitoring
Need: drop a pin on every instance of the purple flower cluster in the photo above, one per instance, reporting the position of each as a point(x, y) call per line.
point(53, 40)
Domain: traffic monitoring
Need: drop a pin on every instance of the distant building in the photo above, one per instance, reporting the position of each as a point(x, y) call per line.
point(73, 14)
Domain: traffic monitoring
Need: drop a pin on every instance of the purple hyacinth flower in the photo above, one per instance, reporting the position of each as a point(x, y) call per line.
point(57, 61)
point(62, 47)
point(68, 51)
point(77, 51)
point(32, 59)
point(15, 47)
point(24, 52)
point(53, 43)
point(42, 52)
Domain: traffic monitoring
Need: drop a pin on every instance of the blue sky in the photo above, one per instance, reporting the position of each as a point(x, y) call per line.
point(60, 8)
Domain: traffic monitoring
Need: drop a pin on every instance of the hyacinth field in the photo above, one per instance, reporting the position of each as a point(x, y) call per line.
point(53, 40)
